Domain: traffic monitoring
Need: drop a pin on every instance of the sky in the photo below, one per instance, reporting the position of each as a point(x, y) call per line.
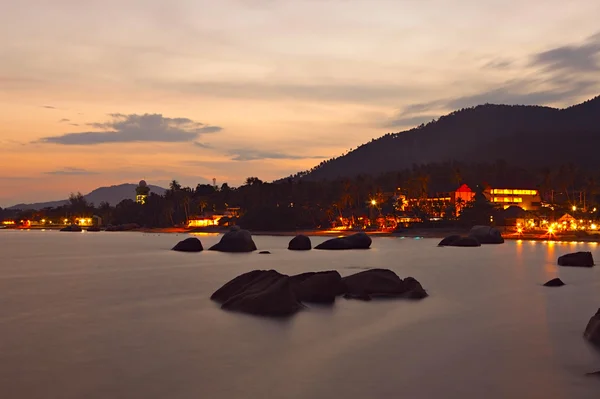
point(95, 93)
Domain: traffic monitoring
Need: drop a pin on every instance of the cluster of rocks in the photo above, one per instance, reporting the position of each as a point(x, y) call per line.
point(238, 240)
point(477, 236)
point(270, 293)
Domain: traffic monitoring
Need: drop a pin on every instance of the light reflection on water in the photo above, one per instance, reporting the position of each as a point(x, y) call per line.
point(119, 315)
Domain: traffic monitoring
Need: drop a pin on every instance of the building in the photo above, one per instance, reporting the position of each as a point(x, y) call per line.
point(141, 192)
point(524, 198)
point(204, 221)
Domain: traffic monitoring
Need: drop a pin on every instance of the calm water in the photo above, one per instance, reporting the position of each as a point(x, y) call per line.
point(118, 315)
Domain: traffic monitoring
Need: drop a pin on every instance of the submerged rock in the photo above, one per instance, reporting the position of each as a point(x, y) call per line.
point(577, 259)
point(486, 235)
point(458, 241)
point(72, 227)
point(449, 240)
point(592, 331)
point(354, 241)
point(93, 229)
point(555, 282)
point(191, 244)
point(381, 283)
point(264, 253)
point(300, 243)
point(236, 240)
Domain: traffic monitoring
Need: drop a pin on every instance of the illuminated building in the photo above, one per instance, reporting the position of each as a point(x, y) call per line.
point(506, 197)
point(204, 221)
point(141, 192)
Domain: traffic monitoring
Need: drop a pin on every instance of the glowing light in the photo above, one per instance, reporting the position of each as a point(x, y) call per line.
point(550, 230)
point(373, 202)
point(66, 221)
point(594, 227)
point(519, 230)
point(43, 220)
point(574, 208)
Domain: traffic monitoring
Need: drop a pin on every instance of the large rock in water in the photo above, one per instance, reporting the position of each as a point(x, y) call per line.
point(259, 292)
point(579, 259)
point(592, 331)
point(236, 240)
point(191, 244)
point(458, 241)
point(381, 283)
point(486, 235)
point(318, 287)
point(300, 243)
point(72, 227)
point(354, 241)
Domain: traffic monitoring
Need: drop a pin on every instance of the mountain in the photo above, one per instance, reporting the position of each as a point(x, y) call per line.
point(113, 195)
point(525, 136)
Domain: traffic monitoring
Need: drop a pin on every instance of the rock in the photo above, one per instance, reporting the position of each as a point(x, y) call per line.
point(449, 240)
point(460, 242)
point(319, 287)
point(486, 235)
point(555, 282)
point(592, 331)
point(578, 259)
point(260, 292)
point(235, 240)
point(300, 243)
point(593, 374)
point(72, 227)
point(191, 244)
point(381, 283)
point(264, 253)
point(93, 229)
point(123, 227)
point(354, 241)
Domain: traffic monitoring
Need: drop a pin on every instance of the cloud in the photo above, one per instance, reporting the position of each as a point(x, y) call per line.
point(64, 120)
point(136, 128)
point(315, 92)
point(411, 121)
point(69, 171)
point(48, 107)
point(571, 58)
point(203, 145)
point(568, 73)
point(74, 124)
point(254, 155)
point(498, 63)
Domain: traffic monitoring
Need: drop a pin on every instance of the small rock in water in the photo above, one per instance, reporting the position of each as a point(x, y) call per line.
point(264, 253)
point(555, 282)
point(577, 259)
point(191, 244)
point(593, 374)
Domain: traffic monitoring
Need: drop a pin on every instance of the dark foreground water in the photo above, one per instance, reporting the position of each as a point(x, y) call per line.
point(118, 315)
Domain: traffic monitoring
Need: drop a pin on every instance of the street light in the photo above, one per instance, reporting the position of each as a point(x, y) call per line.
point(574, 208)
point(373, 202)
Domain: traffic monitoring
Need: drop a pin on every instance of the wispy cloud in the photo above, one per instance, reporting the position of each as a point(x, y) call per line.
point(567, 72)
point(498, 63)
point(64, 120)
point(254, 155)
point(48, 107)
point(203, 145)
point(136, 128)
point(69, 171)
point(572, 58)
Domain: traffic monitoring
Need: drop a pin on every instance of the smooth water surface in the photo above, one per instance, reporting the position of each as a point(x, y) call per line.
point(118, 315)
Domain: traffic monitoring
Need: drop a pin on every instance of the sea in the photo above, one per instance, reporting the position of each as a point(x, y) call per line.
point(119, 315)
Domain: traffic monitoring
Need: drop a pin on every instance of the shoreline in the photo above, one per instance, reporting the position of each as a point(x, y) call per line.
point(409, 233)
